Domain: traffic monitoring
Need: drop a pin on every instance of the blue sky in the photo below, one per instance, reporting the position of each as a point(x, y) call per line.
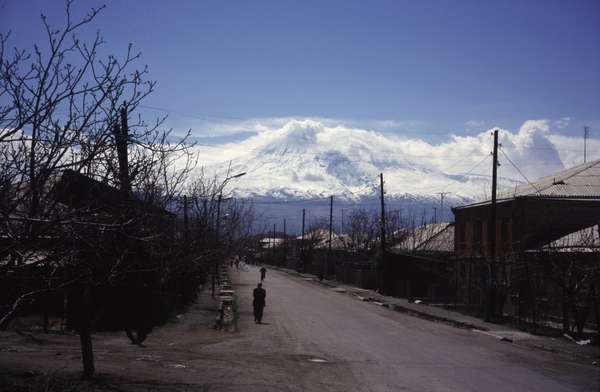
point(428, 68)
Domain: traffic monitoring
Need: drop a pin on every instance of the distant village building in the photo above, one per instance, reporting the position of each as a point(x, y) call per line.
point(270, 242)
point(429, 238)
point(418, 265)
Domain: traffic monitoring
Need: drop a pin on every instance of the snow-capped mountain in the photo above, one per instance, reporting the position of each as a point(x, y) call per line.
point(303, 162)
point(305, 159)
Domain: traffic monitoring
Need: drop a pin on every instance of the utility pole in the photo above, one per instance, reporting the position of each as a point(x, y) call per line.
point(492, 235)
point(121, 137)
point(586, 135)
point(302, 255)
point(284, 244)
point(303, 221)
point(442, 197)
point(186, 227)
point(330, 220)
point(381, 267)
point(330, 235)
point(217, 230)
point(397, 223)
point(382, 227)
point(273, 240)
point(413, 231)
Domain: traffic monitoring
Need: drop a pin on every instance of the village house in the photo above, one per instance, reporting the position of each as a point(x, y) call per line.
point(545, 249)
point(532, 215)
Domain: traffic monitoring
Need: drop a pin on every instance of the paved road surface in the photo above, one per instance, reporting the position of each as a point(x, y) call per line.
point(369, 348)
point(315, 340)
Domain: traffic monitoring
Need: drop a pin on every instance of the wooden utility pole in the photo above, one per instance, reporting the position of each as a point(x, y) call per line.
point(382, 228)
point(382, 261)
point(302, 254)
point(217, 234)
point(492, 235)
point(586, 135)
point(186, 224)
point(442, 197)
point(273, 242)
point(218, 228)
point(330, 220)
point(303, 221)
point(330, 234)
point(284, 244)
point(121, 137)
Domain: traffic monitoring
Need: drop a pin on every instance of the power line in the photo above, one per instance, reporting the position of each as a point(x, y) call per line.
point(519, 170)
point(454, 182)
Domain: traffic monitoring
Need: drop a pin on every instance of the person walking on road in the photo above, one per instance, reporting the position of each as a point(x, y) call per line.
point(263, 272)
point(259, 302)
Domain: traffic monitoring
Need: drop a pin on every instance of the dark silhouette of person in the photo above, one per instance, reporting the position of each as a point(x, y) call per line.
point(259, 302)
point(263, 272)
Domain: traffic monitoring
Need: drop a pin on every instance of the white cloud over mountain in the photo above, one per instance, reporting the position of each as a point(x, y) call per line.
point(297, 158)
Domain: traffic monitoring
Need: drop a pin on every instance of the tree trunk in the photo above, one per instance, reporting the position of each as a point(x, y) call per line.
point(85, 334)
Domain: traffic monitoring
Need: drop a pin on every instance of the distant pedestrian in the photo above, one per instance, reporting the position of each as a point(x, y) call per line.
point(259, 302)
point(263, 273)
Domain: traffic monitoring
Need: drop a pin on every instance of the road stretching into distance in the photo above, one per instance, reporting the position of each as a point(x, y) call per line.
point(313, 339)
point(317, 339)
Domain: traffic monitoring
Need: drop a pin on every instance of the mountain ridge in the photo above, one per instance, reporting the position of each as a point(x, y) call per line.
point(306, 160)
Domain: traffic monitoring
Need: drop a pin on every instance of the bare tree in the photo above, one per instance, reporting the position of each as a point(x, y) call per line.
point(61, 107)
point(362, 228)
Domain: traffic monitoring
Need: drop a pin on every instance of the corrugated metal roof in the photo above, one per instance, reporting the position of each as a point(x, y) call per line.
point(433, 237)
point(582, 181)
point(585, 240)
point(321, 239)
point(578, 182)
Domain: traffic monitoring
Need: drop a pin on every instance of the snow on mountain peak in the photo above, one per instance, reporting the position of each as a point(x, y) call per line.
point(295, 136)
point(307, 158)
